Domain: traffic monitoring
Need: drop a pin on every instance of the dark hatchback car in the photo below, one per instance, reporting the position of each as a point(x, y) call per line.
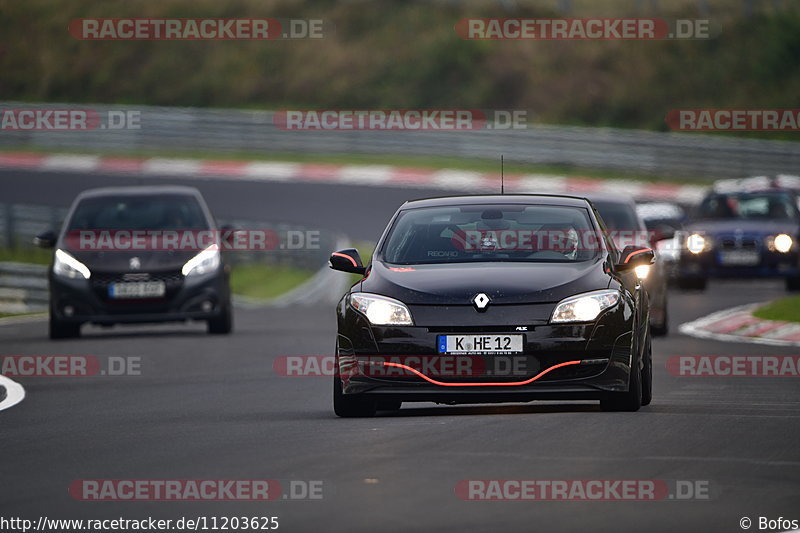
point(742, 234)
point(137, 255)
point(455, 309)
point(626, 227)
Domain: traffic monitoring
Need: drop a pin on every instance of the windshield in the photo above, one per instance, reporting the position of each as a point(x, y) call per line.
point(617, 216)
point(747, 206)
point(139, 213)
point(479, 233)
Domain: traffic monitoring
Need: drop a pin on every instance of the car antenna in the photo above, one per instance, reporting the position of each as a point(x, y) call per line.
point(502, 178)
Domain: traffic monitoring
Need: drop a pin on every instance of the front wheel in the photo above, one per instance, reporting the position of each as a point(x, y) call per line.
point(659, 330)
point(630, 400)
point(793, 284)
point(349, 407)
point(647, 375)
point(222, 324)
point(63, 330)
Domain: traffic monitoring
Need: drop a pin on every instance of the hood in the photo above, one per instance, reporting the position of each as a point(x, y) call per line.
point(757, 227)
point(120, 261)
point(504, 283)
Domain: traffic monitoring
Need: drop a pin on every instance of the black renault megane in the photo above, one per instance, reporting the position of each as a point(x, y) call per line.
point(496, 298)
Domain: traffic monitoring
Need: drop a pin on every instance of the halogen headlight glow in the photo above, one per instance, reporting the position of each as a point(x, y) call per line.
point(585, 307)
point(67, 266)
point(696, 243)
point(782, 243)
point(642, 271)
point(206, 261)
point(380, 310)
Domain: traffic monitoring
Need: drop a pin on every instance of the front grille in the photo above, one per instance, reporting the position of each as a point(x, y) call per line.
point(738, 243)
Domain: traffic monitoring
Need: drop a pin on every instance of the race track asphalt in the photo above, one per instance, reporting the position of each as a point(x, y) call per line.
point(209, 407)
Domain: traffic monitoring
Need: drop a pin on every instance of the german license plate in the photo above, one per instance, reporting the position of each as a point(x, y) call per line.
point(140, 289)
point(739, 258)
point(480, 344)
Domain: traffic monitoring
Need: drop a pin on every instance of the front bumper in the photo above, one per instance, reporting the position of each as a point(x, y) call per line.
point(575, 361)
point(193, 298)
point(709, 265)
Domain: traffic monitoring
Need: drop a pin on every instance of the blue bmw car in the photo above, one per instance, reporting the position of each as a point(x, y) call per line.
point(742, 234)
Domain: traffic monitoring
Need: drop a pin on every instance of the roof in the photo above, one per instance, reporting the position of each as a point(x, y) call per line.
point(497, 199)
point(145, 190)
point(609, 198)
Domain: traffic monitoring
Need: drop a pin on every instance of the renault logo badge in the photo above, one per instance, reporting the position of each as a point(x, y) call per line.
point(481, 301)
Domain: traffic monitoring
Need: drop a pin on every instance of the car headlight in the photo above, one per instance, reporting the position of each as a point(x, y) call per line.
point(585, 307)
point(696, 243)
point(782, 243)
point(206, 261)
point(67, 266)
point(380, 310)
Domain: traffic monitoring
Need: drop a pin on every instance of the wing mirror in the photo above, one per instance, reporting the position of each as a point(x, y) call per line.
point(633, 256)
point(347, 260)
point(45, 240)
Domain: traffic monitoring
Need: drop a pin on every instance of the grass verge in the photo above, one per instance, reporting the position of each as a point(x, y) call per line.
point(785, 309)
point(36, 256)
point(263, 282)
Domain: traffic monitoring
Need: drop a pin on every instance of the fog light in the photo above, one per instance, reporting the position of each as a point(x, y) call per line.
point(69, 310)
point(207, 306)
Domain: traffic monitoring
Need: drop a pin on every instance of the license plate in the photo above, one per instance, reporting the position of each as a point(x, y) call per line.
point(480, 344)
point(739, 258)
point(141, 289)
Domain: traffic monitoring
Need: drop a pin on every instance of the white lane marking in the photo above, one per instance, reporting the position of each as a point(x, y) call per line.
point(696, 328)
point(365, 174)
point(14, 393)
point(66, 162)
point(172, 167)
point(271, 171)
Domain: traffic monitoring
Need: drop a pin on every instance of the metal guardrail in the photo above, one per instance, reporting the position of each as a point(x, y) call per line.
point(23, 288)
point(229, 130)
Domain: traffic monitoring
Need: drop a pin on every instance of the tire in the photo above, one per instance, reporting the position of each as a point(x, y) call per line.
point(630, 400)
point(793, 284)
point(662, 329)
point(348, 407)
point(647, 375)
point(692, 284)
point(223, 324)
point(63, 330)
